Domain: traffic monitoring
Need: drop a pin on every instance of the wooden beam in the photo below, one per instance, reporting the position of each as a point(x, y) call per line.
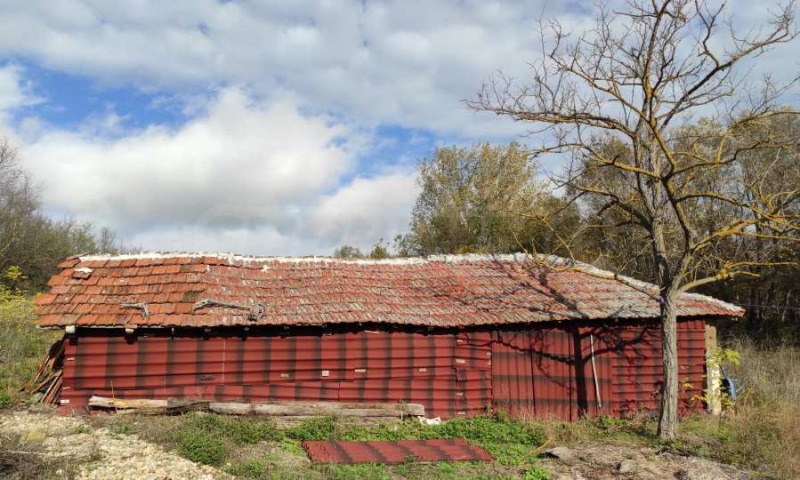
point(270, 409)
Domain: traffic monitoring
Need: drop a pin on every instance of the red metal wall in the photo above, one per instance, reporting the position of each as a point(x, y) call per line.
point(565, 385)
point(533, 372)
point(448, 373)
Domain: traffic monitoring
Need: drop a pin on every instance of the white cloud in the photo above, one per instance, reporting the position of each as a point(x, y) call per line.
point(243, 174)
point(15, 91)
point(406, 63)
point(367, 209)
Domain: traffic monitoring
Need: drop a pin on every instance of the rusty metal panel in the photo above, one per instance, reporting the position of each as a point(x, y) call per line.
point(553, 368)
point(351, 452)
point(448, 375)
point(594, 371)
point(638, 367)
point(691, 364)
point(533, 372)
point(512, 377)
point(636, 383)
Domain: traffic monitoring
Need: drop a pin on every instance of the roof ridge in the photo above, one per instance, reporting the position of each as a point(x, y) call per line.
point(515, 257)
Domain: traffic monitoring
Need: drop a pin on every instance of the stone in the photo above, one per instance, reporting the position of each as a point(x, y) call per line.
point(682, 475)
point(35, 436)
point(627, 466)
point(562, 453)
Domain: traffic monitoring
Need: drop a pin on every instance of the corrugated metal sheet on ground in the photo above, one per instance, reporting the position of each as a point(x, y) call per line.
point(452, 450)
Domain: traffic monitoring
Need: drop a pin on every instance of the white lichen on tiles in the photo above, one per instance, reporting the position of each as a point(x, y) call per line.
point(551, 261)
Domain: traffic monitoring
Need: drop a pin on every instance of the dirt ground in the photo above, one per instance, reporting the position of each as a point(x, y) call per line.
point(618, 461)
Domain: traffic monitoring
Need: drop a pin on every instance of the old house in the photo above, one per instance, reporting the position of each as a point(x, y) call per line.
point(534, 336)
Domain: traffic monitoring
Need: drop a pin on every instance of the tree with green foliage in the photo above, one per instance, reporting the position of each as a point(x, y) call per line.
point(482, 199)
point(379, 251)
point(638, 78)
point(348, 251)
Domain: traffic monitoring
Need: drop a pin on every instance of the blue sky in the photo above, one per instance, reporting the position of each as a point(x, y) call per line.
point(269, 128)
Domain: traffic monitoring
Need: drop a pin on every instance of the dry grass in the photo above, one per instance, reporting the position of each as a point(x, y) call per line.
point(762, 432)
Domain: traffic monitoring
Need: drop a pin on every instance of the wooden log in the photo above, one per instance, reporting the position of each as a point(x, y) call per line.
point(230, 408)
point(121, 403)
point(272, 409)
point(334, 409)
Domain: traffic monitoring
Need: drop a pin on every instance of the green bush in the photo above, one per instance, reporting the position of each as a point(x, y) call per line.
point(249, 431)
point(200, 447)
point(489, 430)
point(317, 428)
point(536, 473)
point(248, 469)
point(6, 400)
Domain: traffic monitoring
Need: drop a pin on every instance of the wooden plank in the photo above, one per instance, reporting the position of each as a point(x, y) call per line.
point(272, 409)
point(121, 403)
point(338, 409)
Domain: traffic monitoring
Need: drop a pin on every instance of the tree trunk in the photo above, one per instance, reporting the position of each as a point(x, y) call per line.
point(668, 280)
point(668, 417)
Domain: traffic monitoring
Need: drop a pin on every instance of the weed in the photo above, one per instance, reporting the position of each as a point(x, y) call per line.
point(6, 400)
point(82, 429)
point(358, 472)
point(536, 473)
point(488, 430)
point(242, 430)
point(291, 446)
point(248, 469)
point(317, 428)
point(201, 448)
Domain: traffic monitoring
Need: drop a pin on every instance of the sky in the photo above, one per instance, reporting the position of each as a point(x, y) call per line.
point(258, 127)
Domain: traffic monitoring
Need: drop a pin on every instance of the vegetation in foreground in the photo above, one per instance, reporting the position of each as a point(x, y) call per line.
point(256, 448)
point(22, 345)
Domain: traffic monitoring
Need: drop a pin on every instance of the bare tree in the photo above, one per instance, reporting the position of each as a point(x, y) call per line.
point(639, 78)
point(18, 200)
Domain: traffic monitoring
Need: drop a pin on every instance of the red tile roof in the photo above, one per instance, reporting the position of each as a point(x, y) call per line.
point(183, 290)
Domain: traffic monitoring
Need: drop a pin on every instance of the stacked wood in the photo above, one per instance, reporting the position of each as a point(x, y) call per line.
point(47, 381)
point(286, 412)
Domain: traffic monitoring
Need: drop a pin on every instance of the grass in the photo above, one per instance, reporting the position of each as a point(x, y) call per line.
point(761, 434)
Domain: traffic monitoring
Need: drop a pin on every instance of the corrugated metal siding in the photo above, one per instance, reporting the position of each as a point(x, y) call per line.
point(554, 379)
point(544, 371)
point(512, 376)
point(547, 372)
point(638, 367)
point(448, 373)
point(597, 341)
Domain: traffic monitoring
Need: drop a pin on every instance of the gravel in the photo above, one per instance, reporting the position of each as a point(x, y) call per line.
point(101, 453)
